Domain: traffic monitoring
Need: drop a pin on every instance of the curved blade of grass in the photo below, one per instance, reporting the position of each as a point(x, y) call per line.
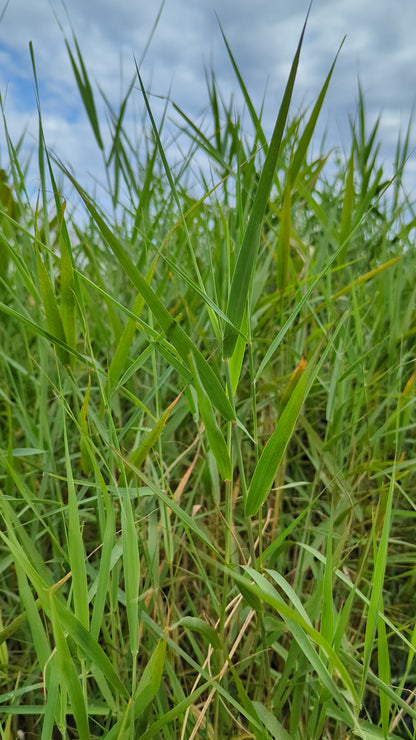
point(90, 647)
point(68, 677)
point(40, 638)
point(183, 344)
point(247, 256)
point(304, 633)
point(138, 456)
point(195, 624)
point(146, 691)
point(254, 117)
point(53, 338)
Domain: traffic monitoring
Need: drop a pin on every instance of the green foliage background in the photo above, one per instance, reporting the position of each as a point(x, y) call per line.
point(207, 460)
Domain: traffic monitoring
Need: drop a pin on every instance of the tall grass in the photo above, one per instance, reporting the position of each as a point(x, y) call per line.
point(207, 435)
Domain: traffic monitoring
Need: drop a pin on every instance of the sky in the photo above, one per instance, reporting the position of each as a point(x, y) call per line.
point(379, 50)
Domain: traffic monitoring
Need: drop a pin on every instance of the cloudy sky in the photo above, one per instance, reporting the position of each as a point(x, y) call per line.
point(379, 50)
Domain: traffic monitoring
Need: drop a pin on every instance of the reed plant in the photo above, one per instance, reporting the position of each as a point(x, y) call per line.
point(207, 439)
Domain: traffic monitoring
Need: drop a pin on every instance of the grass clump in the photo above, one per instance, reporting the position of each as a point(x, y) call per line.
point(207, 437)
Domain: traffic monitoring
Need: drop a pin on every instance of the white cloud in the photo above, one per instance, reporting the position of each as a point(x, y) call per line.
point(263, 37)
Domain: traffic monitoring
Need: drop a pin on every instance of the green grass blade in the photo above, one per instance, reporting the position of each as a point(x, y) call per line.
point(146, 691)
point(139, 454)
point(254, 117)
point(131, 565)
point(85, 89)
point(195, 624)
point(272, 455)
point(75, 542)
point(376, 599)
point(384, 674)
point(68, 676)
point(247, 256)
point(283, 244)
point(215, 436)
point(173, 331)
point(40, 638)
point(53, 338)
point(90, 647)
point(149, 683)
point(306, 137)
point(53, 317)
point(304, 634)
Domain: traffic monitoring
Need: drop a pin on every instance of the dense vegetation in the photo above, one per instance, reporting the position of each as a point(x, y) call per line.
point(207, 460)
